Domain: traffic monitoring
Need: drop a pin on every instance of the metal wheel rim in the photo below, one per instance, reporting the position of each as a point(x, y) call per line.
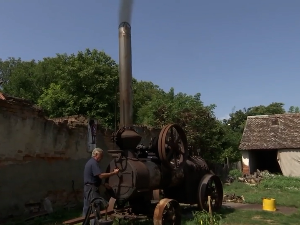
point(164, 210)
point(204, 190)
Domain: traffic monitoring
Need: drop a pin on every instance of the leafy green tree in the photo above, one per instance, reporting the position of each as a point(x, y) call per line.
point(294, 109)
point(273, 108)
point(203, 131)
point(237, 120)
point(21, 81)
point(7, 67)
point(143, 93)
point(85, 84)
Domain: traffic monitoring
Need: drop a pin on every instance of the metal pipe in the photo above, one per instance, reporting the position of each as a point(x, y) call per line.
point(125, 75)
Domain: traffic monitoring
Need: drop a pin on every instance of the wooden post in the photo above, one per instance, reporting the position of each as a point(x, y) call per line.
point(210, 211)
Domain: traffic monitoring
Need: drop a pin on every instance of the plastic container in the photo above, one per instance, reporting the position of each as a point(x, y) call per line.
point(269, 204)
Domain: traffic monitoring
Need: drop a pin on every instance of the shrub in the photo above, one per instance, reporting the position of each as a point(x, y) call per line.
point(235, 173)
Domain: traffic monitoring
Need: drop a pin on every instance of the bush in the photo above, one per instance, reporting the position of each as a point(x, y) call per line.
point(235, 173)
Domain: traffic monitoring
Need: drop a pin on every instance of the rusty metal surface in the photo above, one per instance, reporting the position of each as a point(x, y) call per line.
point(210, 185)
point(167, 211)
point(156, 194)
point(125, 77)
point(134, 178)
point(172, 146)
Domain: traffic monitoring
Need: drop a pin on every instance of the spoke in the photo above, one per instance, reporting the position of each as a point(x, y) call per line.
point(177, 140)
point(180, 150)
point(170, 155)
point(175, 160)
point(172, 135)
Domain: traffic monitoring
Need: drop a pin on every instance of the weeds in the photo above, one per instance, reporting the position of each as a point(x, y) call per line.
point(204, 218)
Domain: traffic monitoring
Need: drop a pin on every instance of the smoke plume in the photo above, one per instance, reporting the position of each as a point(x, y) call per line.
point(125, 11)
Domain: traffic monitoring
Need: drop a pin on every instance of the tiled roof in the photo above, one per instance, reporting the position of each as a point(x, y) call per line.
point(280, 131)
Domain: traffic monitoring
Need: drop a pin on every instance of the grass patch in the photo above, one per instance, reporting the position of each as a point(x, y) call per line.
point(280, 182)
point(277, 188)
point(284, 189)
point(251, 217)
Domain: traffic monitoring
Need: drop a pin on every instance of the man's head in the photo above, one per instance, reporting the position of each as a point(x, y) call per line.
point(97, 154)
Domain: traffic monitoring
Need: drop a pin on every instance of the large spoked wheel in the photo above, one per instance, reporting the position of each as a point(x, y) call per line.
point(167, 212)
point(172, 146)
point(210, 185)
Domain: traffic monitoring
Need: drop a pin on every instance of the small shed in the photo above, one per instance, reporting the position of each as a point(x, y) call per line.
point(272, 142)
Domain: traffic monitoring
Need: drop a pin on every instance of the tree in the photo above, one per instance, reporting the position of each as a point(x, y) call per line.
point(7, 67)
point(84, 84)
point(143, 93)
point(294, 109)
point(202, 129)
point(237, 120)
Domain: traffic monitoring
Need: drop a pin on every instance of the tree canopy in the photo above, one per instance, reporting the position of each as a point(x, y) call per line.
point(86, 83)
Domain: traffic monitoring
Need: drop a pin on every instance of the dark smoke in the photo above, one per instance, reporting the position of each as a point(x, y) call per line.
point(125, 11)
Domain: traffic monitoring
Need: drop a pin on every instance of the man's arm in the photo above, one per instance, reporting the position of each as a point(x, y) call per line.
point(106, 175)
point(97, 172)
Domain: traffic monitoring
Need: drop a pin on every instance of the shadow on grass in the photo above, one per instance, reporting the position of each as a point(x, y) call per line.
point(61, 215)
point(225, 211)
point(57, 217)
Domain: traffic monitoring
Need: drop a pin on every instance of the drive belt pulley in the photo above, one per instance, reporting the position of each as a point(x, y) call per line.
point(172, 146)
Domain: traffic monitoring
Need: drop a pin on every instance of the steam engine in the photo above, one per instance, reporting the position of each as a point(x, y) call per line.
point(164, 167)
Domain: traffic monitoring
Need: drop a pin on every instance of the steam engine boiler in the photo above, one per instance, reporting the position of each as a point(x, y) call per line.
point(162, 171)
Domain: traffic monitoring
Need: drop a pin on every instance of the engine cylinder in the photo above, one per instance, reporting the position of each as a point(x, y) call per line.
point(135, 177)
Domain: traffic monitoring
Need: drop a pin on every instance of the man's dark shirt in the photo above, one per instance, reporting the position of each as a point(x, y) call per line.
point(91, 172)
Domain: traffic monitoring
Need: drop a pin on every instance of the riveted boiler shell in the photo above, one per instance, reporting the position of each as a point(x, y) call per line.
point(135, 177)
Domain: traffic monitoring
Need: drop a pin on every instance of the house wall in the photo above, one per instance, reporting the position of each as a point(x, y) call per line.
point(42, 158)
point(245, 162)
point(267, 159)
point(289, 161)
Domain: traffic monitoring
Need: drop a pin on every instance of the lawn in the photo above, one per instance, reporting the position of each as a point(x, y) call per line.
point(284, 189)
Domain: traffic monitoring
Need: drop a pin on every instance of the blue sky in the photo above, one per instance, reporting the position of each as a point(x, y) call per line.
point(235, 53)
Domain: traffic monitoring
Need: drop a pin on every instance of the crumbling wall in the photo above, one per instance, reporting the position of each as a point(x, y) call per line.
point(40, 157)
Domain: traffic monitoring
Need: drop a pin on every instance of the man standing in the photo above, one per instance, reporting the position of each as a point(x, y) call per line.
point(93, 178)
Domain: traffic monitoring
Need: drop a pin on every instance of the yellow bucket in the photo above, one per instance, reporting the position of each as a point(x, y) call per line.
point(269, 204)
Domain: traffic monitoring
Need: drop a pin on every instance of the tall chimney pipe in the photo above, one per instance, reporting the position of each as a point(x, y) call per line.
point(129, 138)
point(125, 75)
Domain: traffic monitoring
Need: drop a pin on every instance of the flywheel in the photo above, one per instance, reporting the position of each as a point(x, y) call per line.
point(172, 146)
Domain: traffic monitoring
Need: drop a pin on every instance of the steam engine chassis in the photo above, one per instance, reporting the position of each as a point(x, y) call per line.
point(164, 167)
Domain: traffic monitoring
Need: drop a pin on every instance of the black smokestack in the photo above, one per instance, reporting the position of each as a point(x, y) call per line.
point(125, 64)
point(129, 137)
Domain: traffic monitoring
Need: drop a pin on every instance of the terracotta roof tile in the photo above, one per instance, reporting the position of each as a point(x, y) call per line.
point(280, 131)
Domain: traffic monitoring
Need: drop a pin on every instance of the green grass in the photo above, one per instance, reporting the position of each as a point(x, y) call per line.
point(251, 217)
point(284, 189)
